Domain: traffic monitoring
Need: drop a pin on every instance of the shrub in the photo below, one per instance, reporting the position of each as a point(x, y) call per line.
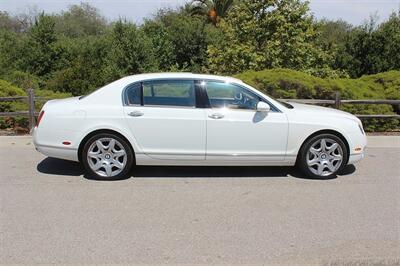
point(285, 83)
point(9, 90)
point(22, 79)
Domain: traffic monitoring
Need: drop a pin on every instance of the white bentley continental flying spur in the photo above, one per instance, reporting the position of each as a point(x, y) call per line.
point(191, 119)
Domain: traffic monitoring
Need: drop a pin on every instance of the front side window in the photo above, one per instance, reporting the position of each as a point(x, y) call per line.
point(231, 96)
point(169, 92)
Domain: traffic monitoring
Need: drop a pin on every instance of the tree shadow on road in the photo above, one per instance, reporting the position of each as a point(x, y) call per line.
point(54, 166)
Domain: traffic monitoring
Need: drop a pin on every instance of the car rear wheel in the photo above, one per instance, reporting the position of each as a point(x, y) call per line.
point(323, 156)
point(107, 157)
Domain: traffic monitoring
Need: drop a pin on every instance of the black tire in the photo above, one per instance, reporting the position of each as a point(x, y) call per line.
point(302, 157)
point(124, 171)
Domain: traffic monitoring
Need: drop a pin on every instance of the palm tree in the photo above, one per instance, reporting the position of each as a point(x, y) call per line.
point(213, 9)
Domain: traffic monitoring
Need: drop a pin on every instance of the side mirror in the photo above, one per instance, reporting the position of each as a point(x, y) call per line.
point(263, 107)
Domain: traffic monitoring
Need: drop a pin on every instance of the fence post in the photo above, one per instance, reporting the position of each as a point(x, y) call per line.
point(337, 100)
point(396, 108)
point(31, 109)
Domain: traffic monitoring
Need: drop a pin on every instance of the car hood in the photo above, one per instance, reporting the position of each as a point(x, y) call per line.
point(322, 111)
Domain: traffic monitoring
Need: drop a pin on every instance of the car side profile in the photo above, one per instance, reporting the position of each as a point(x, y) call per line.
point(196, 120)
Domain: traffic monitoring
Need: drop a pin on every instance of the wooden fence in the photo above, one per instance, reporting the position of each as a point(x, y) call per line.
point(337, 102)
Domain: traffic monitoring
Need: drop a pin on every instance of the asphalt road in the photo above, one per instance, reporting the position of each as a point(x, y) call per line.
point(50, 213)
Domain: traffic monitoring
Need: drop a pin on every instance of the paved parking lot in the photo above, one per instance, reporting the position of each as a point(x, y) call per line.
point(50, 213)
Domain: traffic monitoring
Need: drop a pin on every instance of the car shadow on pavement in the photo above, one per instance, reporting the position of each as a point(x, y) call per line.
point(223, 171)
point(54, 166)
point(212, 171)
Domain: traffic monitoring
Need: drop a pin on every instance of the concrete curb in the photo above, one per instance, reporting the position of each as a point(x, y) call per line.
point(383, 142)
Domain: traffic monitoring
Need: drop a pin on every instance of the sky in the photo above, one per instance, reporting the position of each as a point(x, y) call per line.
point(353, 11)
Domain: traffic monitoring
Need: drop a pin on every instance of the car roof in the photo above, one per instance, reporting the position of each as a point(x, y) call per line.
point(178, 75)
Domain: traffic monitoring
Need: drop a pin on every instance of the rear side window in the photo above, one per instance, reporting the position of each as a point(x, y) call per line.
point(169, 93)
point(133, 94)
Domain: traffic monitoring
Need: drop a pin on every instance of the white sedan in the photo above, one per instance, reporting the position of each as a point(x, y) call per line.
point(191, 119)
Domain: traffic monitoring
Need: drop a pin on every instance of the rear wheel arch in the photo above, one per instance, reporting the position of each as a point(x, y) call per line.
point(102, 131)
point(326, 131)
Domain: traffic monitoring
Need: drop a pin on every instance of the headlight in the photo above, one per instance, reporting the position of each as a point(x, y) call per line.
point(361, 128)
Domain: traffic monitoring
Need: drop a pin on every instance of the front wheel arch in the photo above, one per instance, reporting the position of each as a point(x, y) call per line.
point(325, 131)
point(102, 131)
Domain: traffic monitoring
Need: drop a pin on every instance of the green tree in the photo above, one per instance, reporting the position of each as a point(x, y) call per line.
point(130, 51)
point(82, 71)
point(188, 37)
point(40, 54)
point(80, 20)
point(162, 45)
point(10, 50)
point(371, 49)
point(389, 32)
point(333, 34)
point(213, 9)
point(263, 34)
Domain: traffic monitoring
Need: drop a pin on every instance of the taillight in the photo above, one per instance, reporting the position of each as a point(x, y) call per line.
point(41, 114)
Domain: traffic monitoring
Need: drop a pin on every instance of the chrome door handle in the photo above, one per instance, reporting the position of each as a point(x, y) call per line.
point(216, 116)
point(136, 114)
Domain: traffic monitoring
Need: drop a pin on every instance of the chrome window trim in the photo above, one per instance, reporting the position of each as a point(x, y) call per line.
point(217, 154)
point(274, 109)
point(164, 106)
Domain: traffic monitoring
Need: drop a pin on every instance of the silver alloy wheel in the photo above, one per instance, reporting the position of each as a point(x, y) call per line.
point(107, 157)
point(324, 157)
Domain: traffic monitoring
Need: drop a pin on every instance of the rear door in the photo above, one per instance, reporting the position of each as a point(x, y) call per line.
point(164, 120)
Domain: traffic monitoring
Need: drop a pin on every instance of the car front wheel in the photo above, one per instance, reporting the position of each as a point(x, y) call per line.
point(323, 156)
point(107, 157)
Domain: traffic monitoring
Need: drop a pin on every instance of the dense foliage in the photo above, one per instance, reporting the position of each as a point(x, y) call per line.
point(78, 50)
point(267, 34)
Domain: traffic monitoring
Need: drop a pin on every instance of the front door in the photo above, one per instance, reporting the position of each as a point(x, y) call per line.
point(164, 120)
point(236, 132)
